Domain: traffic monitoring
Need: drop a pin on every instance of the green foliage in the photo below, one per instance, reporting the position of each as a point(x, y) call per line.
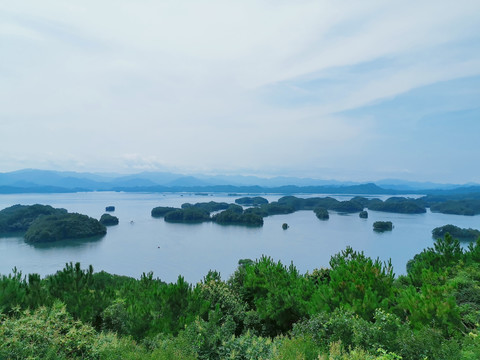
point(431, 305)
point(47, 228)
point(300, 347)
point(276, 208)
point(457, 232)
point(356, 282)
point(108, 220)
point(321, 213)
point(232, 217)
point(47, 334)
point(355, 309)
point(189, 214)
point(398, 205)
point(20, 217)
point(13, 292)
point(161, 211)
point(347, 207)
point(468, 207)
point(445, 253)
point(381, 226)
point(246, 347)
point(84, 297)
point(278, 294)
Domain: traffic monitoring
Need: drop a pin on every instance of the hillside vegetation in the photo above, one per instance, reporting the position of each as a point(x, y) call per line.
point(354, 309)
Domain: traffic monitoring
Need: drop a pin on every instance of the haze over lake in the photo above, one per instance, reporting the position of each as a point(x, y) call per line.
point(141, 243)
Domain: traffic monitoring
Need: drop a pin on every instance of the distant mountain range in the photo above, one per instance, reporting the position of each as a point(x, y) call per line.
point(47, 181)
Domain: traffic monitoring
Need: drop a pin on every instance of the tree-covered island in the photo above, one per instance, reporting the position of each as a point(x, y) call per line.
point(381, 226)
point(455, 231)
point(43, 223)
point(67, 226)
point(363, 214)
point(321, 213)
point(18, 218)
point(108, 220)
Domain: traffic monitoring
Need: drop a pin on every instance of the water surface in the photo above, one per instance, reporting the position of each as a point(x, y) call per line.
point(141, 243)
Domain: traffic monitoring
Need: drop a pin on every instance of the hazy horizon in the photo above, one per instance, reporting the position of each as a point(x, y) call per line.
point(359, 91)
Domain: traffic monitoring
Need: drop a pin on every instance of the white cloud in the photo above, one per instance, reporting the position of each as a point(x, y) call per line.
point(179, 83)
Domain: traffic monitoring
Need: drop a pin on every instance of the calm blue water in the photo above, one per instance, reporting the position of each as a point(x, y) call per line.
point(141, 243)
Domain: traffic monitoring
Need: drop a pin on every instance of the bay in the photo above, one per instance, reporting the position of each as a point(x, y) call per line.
point(140, 243)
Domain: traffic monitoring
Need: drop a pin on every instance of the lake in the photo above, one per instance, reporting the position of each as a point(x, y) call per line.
point(141, 243)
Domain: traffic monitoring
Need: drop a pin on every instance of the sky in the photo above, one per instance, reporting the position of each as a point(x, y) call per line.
point(346, 90)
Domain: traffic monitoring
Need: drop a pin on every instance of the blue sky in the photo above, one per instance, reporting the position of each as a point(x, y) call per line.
point(334, 90)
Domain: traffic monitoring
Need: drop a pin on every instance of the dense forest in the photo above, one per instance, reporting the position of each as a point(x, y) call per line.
point(354, 309)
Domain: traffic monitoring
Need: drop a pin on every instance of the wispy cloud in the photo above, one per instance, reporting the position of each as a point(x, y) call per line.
point(202, 85)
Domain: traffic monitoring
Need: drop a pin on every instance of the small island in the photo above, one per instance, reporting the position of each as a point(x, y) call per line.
point(110, 208)
point(322, 213)
point(363, 214)
point(456, 232)
point(66, 226)
point(381, 226)
point(285, 226)
point(108, 220)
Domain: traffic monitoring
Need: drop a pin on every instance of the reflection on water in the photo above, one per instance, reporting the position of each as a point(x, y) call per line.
point(53, 246)
point(141, 243)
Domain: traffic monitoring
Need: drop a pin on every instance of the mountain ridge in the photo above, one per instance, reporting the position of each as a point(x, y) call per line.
point(34, 180)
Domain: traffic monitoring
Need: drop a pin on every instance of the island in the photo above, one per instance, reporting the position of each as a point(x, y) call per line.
point(64, 226)
point(467, 207)
point(231, 217)
point(188, 215)
point(456, 232)
point(108, 220)
point(363, 214)
point(285, 226)
point(161, 211)
point(321, 213)
point(18, 218)
point(227, 214)
point(381, 226)
point(110, 208)
point(398, 205)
